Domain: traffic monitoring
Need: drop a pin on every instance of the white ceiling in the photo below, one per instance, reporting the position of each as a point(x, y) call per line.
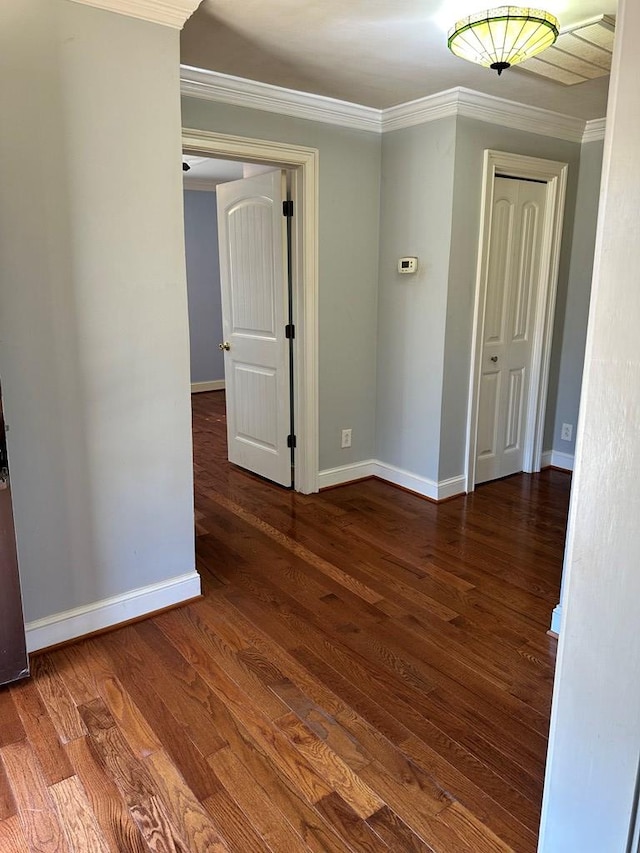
point(210, 169)
point(373, 52)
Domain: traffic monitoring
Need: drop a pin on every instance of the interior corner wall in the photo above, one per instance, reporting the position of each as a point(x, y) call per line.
point(94, 353)
point(572, 333)
point(472, 138)
point(415, 220)
point(203, 285)
point(348, 262)
point(591, 786)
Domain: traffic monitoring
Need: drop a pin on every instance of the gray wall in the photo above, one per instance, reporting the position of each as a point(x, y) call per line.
point(395, 350)
point(416, 210)
point(430, 207)
point(472, 138)
point(203, 285)
point(348, 261)
point(94, 348)
point(573, 331)
point(594, 743)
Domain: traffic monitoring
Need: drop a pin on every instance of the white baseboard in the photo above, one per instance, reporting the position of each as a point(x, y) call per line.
point(436, 491)
point(408, 480)
point(80, 621)
point(451, 487)
point(398, 476)
point(346, 473)
point(556, 619)
point(214, 385)
point(557, 460)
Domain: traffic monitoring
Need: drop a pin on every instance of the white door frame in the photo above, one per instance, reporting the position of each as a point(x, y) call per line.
point(498, 163)
point(304, 165)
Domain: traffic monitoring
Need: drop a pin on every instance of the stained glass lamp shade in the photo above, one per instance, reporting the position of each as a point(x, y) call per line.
point(504, 36)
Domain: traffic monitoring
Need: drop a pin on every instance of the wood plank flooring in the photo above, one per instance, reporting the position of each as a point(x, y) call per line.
point(366, 672)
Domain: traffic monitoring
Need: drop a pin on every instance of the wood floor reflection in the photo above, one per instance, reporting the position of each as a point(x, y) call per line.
point(366, 671)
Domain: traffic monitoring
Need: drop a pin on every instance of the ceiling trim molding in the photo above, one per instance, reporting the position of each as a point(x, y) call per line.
point(594, 130)
point(519, 116)
point(420, 111)
point(238, 91)
point(169, 13)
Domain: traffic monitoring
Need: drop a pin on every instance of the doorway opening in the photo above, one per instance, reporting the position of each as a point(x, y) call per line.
point(518, 258)
point(239, 276)
point(299, 304)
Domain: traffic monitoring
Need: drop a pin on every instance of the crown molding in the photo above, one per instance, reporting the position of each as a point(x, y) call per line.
point(238, 91)
point(203, 184)
point(519, 116)
point(420, 111)
point(489, 108)
point(169, 13)
point(594, 130)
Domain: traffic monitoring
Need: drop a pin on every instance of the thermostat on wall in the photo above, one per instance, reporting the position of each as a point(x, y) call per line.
point(407, 265)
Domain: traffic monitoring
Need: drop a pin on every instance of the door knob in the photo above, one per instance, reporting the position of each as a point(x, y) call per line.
point(494, 358)
point(225, 346)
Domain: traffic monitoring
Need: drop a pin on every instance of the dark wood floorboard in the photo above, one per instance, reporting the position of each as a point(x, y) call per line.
point(367, 671)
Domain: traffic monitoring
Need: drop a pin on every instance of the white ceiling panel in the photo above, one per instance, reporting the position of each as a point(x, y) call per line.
point(374, 52)
point(577, 56)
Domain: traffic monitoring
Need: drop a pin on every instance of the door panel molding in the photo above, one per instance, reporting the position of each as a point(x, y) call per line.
point(252, 236)
point(554, 174)
point(303, 162)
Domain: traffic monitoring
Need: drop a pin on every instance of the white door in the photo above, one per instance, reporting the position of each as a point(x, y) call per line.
point(252, 233)
point(509, 323)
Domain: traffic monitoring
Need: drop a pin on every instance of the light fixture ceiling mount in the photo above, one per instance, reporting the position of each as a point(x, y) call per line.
point(502, 37)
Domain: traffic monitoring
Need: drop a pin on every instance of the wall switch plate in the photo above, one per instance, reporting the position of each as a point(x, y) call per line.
point(567, 432)
point(346, 438)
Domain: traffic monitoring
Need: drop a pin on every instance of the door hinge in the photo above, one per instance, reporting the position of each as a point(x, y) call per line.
point(287, 208)
point(291, 441)
point(290, 331)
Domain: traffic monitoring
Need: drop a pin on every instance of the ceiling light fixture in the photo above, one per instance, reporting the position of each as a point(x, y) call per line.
point(502, 37)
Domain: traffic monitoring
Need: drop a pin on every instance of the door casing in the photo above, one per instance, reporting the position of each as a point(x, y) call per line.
point(303, 164)
point(554, 173)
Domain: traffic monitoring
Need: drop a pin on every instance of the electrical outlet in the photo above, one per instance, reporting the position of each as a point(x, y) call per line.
point(567, 432)
point(346, 438)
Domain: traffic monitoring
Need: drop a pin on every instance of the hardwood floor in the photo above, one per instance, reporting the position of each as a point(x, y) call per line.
point(366, 672)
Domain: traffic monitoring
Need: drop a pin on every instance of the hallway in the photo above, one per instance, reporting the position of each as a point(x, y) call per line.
point(366, 671)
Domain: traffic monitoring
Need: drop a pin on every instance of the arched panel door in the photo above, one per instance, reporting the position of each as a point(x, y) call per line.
point(252, 232)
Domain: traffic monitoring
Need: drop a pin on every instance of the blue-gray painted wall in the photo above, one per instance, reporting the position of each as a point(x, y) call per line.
point(203, 285)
